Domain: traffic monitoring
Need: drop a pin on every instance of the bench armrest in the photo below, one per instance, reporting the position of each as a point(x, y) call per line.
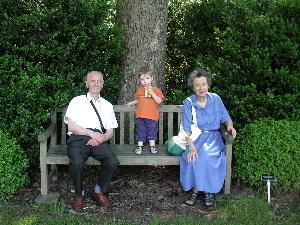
point(227, 136)
point(42, 137)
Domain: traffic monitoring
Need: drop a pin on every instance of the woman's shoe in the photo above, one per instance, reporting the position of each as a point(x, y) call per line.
point(192, 199)
point(209, 199)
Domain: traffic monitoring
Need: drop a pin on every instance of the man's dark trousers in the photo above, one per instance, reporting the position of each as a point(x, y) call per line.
point(78, 153)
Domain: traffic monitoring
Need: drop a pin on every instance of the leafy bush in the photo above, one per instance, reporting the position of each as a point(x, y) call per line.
point(268, 147)
point(13, 166)
point(46, 50)
point(250, 47)
point(177, 96)
point(25, 106)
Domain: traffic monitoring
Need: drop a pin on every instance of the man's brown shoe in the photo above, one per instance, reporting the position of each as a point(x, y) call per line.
point(78, 203)
point(101, 199)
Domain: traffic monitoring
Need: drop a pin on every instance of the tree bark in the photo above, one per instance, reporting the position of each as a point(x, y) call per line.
point(144, 27)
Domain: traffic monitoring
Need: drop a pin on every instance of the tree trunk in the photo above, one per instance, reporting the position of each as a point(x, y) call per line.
point(144, 26)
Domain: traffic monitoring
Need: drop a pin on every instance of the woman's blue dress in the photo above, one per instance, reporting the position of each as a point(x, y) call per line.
point(207, 173)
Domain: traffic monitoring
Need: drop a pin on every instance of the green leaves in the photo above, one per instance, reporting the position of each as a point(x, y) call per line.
point(250, 47)
point(46, 50)
point(13, 166)
point(268, 146)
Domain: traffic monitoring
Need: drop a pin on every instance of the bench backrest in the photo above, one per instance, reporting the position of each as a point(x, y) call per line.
point(169, 122)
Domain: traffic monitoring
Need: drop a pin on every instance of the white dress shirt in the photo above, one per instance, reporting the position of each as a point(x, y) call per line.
point(83, 114)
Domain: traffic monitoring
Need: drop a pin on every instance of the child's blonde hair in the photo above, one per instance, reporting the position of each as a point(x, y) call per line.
point(145, 70)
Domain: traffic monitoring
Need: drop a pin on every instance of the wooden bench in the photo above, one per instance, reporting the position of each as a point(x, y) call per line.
point(53, 149)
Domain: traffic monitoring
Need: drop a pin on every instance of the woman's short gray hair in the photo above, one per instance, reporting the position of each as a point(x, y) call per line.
point(198, 72)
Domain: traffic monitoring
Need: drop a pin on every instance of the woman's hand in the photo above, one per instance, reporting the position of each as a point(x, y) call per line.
point(231, 129)
point(192, 154)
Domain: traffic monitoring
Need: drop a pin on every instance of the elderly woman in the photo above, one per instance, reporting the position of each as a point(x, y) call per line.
point(203, 164)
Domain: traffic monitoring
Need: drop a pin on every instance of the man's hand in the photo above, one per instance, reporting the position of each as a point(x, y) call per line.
point(93, 142)
point(100, 138)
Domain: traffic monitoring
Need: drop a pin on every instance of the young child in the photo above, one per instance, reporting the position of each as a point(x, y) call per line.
point(147, 98)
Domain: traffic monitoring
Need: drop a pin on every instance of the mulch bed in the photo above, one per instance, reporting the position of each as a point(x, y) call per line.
point(139, 194)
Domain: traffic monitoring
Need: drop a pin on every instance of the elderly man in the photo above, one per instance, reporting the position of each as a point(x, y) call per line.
point(91, 120)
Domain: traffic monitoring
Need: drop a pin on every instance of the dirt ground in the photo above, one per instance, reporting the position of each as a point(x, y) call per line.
point(139, 194)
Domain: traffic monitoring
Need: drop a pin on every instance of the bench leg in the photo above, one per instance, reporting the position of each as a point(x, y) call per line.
point(44, 179)
point(228, 166)
point(53, 175)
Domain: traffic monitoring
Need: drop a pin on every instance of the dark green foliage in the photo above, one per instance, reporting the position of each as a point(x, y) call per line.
point(178, 96)
point(24, 101)
point(13, 166)
point(252, 49)
point(268, 147)
point(46, 50)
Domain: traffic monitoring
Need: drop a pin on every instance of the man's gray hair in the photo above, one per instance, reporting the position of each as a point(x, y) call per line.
point(92, 72)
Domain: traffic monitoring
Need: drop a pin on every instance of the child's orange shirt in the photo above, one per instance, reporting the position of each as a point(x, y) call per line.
point(147, 107)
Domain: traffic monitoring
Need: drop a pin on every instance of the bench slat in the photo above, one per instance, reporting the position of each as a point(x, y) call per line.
point(160, 127)
point(64, 128)
point(131, 128)
point(121, 128)
point(179, 120)
point(53, 135)
point(125, 154)
point(170, 124)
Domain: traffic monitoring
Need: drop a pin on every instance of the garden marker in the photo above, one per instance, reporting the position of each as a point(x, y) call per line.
point(268, 178)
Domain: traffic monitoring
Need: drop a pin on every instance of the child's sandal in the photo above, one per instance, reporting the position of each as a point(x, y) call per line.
point(153, 150)
point(138, 150)
point(192, 199)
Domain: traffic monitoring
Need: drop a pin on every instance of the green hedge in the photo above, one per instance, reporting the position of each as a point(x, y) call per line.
point(46, 50)
point(250, 47)
point(268, 147)
point(13, 166)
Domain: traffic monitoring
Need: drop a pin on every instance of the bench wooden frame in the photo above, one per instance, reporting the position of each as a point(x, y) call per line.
point(53, 146)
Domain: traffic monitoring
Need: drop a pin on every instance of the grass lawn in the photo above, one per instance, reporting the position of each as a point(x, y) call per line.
point(235, 210)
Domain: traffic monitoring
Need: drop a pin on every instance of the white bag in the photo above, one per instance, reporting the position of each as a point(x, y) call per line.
point(180, 140)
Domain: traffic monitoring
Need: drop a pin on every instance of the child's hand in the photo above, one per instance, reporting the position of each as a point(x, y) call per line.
point(154, 96)
point(150, 90)
point(131, 103)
